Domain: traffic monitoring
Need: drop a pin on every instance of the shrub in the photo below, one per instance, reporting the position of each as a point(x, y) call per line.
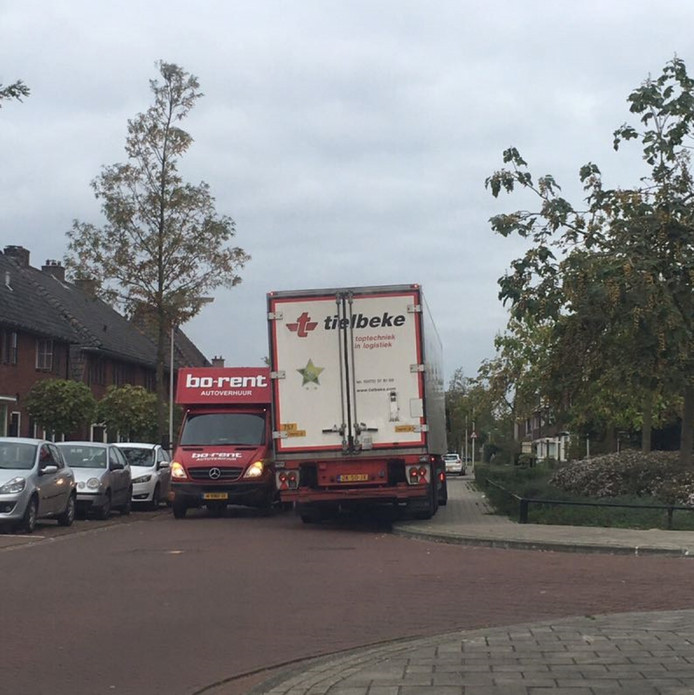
point(657, 475)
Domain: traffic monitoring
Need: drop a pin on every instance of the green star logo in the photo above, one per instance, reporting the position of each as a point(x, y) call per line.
point(310, 373)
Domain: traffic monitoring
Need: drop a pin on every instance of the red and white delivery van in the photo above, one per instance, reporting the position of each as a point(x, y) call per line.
point(224, 451)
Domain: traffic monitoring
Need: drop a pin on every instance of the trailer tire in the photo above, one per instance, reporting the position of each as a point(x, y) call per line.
point(432, 505)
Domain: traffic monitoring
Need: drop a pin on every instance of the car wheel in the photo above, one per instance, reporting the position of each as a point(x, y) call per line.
point(154, 504)
point(128, 506)
point(28, 522)
point(179, 509)
point(68, 516)
point(104, 512)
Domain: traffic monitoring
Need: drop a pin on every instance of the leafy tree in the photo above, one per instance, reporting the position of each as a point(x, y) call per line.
point(61, 406)
point(130, 411)
point(163, 246)
point(468, 405)
point(632, 248)
point(17, 90)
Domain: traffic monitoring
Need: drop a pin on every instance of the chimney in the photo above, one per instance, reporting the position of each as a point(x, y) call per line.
point(55, 269)
point(86, 285)
point(19, 254)
point(217, 361)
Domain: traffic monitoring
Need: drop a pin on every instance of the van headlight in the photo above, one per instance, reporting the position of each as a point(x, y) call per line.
point(177, 471)
point(255, 470)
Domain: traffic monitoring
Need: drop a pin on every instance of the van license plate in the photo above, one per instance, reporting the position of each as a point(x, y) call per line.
point(353, 478)
point(215, 496)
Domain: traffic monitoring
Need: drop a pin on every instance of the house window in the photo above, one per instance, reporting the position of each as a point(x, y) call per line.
point(14, 429)
point(44, 355)
point(122, 374)
point(150, 381)
point(8, 347)
point(97, 372)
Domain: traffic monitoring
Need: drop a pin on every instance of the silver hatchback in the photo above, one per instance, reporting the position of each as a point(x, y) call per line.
point(35, 484)
point(102, 476)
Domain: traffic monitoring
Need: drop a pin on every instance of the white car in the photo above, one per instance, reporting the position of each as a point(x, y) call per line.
point(150, 465)
point(454, 464)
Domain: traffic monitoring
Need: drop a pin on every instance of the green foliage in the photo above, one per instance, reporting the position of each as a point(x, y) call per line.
point(469, 406)
point(629, 478)
point(657, 475)
point(61, 406)
point(17, 90)
point(612, 282)
point(130, 411)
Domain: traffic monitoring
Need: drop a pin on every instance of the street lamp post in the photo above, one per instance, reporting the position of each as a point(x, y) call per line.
point(171, 386)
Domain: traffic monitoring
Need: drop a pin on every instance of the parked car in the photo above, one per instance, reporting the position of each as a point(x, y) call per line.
point(102, 475)
point(454, 464)
point(150, 466)
point(35, 484)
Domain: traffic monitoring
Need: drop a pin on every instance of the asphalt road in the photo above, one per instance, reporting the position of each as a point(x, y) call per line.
point(148, 604)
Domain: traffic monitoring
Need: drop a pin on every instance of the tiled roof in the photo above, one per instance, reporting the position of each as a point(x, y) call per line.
point(100, 326)
point(44, 303)
point(24, 306)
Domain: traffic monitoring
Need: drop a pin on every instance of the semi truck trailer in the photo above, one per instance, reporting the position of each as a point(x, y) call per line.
point(358, 413)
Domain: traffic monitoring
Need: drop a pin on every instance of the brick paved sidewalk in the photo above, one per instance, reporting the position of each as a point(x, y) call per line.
point(636, 653)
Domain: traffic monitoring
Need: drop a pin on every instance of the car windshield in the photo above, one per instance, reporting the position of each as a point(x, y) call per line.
point(84, 456)
point(224, 428)
point(17, 456)
point(138, 456)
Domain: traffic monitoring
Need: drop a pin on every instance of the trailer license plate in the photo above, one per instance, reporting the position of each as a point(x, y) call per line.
point(215, 495)
point(353, 478)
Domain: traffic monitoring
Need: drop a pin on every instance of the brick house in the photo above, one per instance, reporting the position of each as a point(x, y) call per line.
point(541, 438)
point(51, 328)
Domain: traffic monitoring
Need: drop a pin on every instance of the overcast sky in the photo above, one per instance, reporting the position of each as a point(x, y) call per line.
point(349, 140)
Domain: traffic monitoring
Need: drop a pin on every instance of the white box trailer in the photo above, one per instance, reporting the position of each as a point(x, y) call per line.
point(358, 398)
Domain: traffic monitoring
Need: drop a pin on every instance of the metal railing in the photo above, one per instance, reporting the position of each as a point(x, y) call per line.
point(525, 502)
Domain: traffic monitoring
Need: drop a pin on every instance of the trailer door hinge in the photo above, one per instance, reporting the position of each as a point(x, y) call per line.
point(414, 308)
point(275, 316)
point(421, 428)
point(278, 375)
point(416, 368)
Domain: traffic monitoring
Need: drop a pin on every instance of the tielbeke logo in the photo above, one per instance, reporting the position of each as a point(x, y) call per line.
point(384, 320)
point(303, 325)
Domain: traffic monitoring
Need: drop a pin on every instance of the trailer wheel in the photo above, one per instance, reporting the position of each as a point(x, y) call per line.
point(431, 504)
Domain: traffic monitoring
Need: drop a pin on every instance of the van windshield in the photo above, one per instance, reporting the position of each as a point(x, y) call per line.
point(224, 428)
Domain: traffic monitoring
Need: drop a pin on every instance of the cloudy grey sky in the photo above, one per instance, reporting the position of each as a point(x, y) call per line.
point(349, 139)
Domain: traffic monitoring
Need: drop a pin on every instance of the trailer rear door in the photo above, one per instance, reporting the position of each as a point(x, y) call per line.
point(347, 370)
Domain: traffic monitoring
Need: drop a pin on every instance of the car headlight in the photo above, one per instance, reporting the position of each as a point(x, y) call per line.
point(93, 483)
point(177, 471)
point(143, 478)
point(12, 487)
point(255, 470)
